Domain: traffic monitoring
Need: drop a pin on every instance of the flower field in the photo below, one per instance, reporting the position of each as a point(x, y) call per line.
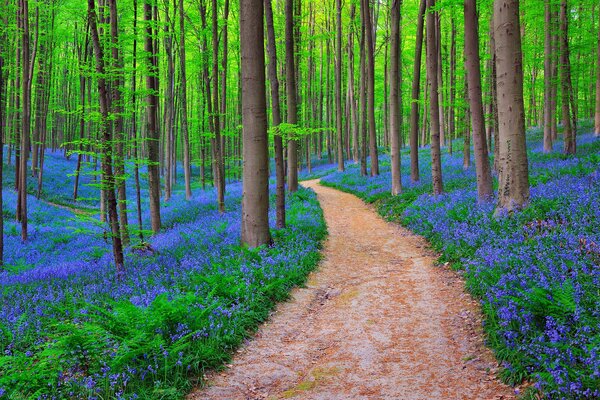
point(71, 328)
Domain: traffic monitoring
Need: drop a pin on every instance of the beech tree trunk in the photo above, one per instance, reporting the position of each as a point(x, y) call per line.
point(26, 115)
point(513, 174)
point(108, 177)
point(152, 131)
point(255, 202)
point(184, 115)
point(473, 67)
point(216, 142)
point(548, 110)
point(276, 110)
point(370, 66)
point(117, 106)
point(414, 106)
point(597, 116)
point(338, 86)
point(363, 102)
point(395, 96)
point(432, 75)
point(292, 113)
point(569, 134)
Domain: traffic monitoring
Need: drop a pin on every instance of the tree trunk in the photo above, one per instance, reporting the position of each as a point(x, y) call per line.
point(597, 116)
point(513, 174)
point(152, 131)
point(26, 116)
point(414, 106)
point(106, 143)
point(184, 115)
point(370, 66)
point(255, 203)
point(363, 102)
point(569, 134)
point(136, 169)
point(292, 113)
point(432, 75)
point(338, 87)
point(2, 132)
point(276, 110)
point(117, 105)
point(473, 68)
point(216, 143)
point(395, 90)
point(548, 111)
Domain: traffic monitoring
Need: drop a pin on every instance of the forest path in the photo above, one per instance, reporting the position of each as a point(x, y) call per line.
point(377, 320)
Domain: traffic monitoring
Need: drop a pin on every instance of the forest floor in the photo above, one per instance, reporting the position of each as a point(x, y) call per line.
point(377, 320)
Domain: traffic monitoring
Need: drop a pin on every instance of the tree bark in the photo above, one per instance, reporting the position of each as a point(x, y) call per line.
point(414, 106)
point(548, 111)
point(26, 116)
point(255, 202)
point(216, 142)
point(184, 114)
point(291, 89)
point(106, 144)
point(338, 86)
point(473, 67)
point(152, 131)
point(276, 110)
point(395, 96)
point(513, 174)
point(363, 102)
point(597, 116)
point(569, 134)
point(432, 75)
point(370, 66)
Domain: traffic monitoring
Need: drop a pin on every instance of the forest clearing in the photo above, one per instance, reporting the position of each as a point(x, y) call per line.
point(273, 199)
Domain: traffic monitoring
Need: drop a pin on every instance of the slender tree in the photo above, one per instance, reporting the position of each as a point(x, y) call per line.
point(216, 141)
point(2, 132)
point(597, 116)
point(291, 89)
point(276, 110)
point(26, 115)
point(395, 96)
point(255, 203)
point(187, 172)
point(432, 75)
point(548, 110)
point(108, 178)
point(473, 67)
point(370, 66)
point(569, 129)
point(414, 105)
point(152, 131)
point(338, 86)
point(513, 174)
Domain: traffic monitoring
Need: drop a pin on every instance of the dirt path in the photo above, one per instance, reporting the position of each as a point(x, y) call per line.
point(377, 321)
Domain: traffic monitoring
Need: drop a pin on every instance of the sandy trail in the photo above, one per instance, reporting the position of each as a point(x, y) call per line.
point(377, 320)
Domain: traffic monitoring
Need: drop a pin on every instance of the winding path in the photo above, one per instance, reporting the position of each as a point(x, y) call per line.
point(377, 320)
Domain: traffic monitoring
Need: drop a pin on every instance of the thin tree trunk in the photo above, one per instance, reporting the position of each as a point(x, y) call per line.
point(152, 132)
point(569, 135)
point(363, 102)
point(597, 116)
point(255, 202)
point(276, 110)
point(292, 113)
point(107, 160)
point(414, 106)
point(432, 75)
point(117, 105)
point(473, 67)
point(338, 86)
point(26, 116)
point(395, 90)
point(216, 142)
point(184, 112)
point(548, 111)
point(370, 66)
point(513, 174)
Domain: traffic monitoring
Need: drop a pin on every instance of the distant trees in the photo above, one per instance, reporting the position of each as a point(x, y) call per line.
point(513, 173)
